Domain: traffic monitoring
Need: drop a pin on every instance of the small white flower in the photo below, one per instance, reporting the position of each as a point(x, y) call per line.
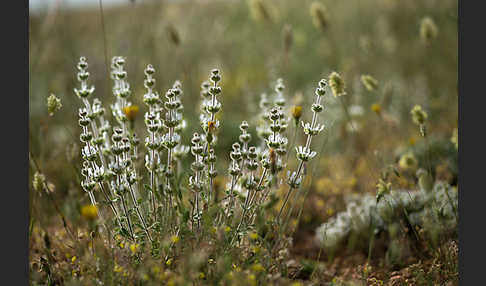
point(304, 153)
point(312, 131)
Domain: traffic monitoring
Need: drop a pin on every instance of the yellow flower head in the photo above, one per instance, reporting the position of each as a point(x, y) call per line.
point(130, 112)
point(253, 235)
point(89, 212)
point(134, 247)
point(376, 108)
point(168, 262)
point(174, 239)
point(211, 126)
point(330, 211)
point(296, 112)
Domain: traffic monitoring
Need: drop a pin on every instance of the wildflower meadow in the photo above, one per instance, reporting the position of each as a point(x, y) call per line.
point(249, 142)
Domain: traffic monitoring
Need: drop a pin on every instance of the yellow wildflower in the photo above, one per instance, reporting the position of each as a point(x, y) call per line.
point(174, 239)
point(134, 247)
point(253, 235)
point(376, 108)
point(168, 262)
point(211, 126)
point(330, 211)
point(236, 268)
point(296, 112)
point(89, 212)
point(131, 112)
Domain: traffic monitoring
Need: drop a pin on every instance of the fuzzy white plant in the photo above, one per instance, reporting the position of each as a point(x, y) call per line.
point(110, 156)
point(438, 205)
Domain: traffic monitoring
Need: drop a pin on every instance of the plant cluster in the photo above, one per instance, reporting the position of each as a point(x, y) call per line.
point(164, 198)
point(433, 212)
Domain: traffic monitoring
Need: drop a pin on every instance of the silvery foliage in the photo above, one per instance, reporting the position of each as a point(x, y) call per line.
point(363, 211)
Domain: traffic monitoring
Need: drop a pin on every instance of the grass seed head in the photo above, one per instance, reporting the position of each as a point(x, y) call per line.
point(419, 116)
point(369, 82)
point(319, 15)
point(428, 30)
point(53, 104)
point(337, 85)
